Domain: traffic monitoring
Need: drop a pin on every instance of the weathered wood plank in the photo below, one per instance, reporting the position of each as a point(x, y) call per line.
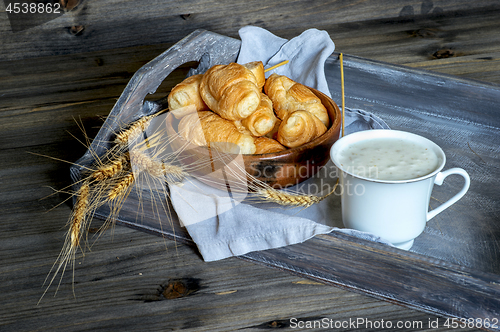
point(481, 66)
point(90, 83)
point(460, 44)
point(125, 23)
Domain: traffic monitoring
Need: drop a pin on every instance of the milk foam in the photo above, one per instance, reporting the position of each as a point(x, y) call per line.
point(388, 159)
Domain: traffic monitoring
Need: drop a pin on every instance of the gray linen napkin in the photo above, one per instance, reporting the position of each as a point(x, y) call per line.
point(225, 223)
point(306, 54)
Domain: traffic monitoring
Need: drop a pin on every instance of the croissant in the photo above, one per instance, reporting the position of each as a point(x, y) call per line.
point(267, 145)
point(274, 132)
point(262, 121)
point(289, 96)
point(185, 97)
point(257, 69)
point(241, 128)
point(298, 128)
point(205, 127)
point(231, 91)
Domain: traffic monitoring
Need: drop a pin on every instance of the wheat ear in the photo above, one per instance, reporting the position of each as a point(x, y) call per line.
point(111, 169)
point(292, 199)
point(156, 168)
point(77, 223)
point(134, 131)
point(121, 187)
point(79, 214)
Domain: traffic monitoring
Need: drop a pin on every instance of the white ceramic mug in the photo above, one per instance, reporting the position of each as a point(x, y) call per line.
point(395, 210)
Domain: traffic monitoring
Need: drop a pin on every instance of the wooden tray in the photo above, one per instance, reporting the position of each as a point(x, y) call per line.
point(453, 269)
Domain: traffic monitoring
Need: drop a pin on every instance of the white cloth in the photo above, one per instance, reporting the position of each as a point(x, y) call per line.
point(306, 54)
point(223, 224)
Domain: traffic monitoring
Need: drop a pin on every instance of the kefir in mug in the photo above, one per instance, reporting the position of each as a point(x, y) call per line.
point(387, 178)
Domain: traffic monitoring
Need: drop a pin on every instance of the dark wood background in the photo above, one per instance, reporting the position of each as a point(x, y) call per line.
point(70, 70)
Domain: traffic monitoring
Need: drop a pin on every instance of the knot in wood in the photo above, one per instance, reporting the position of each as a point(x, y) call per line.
point(76, 30)
point(177, 288)
point(444, 53)
point(174, 290)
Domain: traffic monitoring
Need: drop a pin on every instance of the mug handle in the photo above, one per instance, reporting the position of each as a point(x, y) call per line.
point(439, 181)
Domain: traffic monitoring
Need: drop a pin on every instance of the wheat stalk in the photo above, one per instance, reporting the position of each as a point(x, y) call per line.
point(77, 222)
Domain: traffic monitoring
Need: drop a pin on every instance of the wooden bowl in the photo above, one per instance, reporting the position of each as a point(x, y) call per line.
point(292, 166)
point(280, 169)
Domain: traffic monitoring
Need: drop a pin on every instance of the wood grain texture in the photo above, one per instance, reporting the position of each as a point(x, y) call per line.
point(49, 78)
point(108, 25)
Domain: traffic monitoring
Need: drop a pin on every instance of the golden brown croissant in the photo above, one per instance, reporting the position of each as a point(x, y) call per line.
point(298, 128)
point(267, 145)
point(205, 127)
point(289, 96)
point(231, 91)
point(257, 69)
point(241, 128)
point(274, 132)
point(185, 97)
point(261, 121)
